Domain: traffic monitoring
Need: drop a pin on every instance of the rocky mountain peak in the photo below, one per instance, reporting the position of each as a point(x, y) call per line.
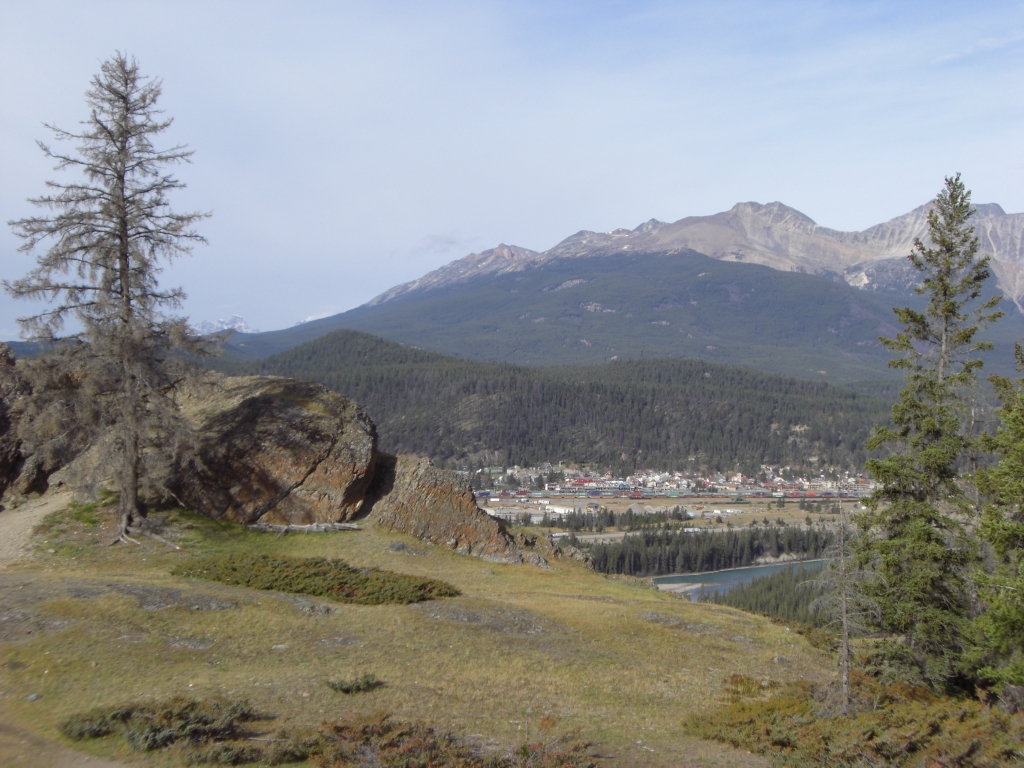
point(986, 210)
point(771, 234)
point(775, 214)
point(502, 258)
point(649, 226)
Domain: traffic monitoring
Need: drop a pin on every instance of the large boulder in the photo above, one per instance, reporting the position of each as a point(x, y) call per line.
point(412, 496)
point(278, 451)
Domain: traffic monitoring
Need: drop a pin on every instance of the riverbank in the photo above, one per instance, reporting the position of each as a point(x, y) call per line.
point(692, 585)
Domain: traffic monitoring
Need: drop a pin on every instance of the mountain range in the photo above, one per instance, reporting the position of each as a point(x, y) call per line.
point(773, 235)
point(758, 285)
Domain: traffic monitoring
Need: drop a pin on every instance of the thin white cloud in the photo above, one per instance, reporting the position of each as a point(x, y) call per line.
point(984, 45)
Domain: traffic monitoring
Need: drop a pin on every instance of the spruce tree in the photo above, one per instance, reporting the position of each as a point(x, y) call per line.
point(110, 231)
point(916, 544)
point(996, 652)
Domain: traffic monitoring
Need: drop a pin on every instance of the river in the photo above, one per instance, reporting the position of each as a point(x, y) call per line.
point(693, 585)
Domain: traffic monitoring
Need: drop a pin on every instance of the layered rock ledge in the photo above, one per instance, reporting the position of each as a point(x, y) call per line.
point(412, 496)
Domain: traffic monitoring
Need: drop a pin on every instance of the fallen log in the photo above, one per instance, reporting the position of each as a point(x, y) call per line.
point(281, 530)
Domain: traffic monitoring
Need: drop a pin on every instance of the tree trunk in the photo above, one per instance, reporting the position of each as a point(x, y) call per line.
point(129, 506)
point(129, 502)
point(844, 651)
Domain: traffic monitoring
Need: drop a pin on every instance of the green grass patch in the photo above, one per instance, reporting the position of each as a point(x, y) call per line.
point(84, 513)
point(360, 684)
point(333, 579)
point(895, 725)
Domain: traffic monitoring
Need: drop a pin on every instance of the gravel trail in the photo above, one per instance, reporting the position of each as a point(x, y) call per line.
point(19, 747)
point(16, 524)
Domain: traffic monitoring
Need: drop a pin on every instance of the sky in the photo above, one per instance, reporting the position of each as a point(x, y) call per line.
point(346, 147)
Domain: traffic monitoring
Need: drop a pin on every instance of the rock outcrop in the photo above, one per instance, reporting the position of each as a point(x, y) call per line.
point(22, 469)
point(284, 452)
point(10, 445)
point(539, 549)
point(411, 496)
point(276, 451)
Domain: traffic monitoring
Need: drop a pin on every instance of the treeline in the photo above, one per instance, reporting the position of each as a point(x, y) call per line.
point(675, 414)
point(624, 521)
point(662, 552)
point(788, 595)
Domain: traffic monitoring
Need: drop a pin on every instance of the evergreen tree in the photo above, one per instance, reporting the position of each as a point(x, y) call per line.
point(111, 232)
point(916, 545)
point(997, 635)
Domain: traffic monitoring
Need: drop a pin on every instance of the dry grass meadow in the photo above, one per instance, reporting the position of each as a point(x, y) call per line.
point(88, 625)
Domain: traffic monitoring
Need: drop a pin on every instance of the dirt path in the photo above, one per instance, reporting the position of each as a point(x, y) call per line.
point(16, 524)
point(19, 747)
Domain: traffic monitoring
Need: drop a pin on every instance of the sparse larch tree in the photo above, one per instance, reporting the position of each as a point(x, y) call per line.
point(916, 544)
point(108, 234)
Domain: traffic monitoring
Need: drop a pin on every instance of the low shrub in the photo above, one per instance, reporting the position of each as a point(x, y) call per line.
point(359, 685)
point(896, 725)
point(738, 687)
point(211, 732)
point(152, 726)
point(320, 577)
point(388, 743)
point(279, 749)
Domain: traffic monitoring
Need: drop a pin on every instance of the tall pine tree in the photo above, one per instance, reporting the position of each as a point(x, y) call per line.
point(996, 653)
point(916, 544)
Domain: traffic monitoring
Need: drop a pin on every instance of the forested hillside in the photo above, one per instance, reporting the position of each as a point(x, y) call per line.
point(587, 311)
point(673, 414)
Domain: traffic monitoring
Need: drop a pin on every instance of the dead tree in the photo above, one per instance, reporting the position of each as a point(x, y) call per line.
point(109, 233)
point(843, 601)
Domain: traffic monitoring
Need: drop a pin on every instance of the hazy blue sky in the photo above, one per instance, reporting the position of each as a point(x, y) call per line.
point(347, 147)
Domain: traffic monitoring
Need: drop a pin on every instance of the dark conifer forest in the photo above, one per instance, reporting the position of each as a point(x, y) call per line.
point(674, 414)
point(788, 595)
point(662, 552)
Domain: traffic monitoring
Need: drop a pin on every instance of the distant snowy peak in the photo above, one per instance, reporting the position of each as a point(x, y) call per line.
point(771, 234)
point(235, 323)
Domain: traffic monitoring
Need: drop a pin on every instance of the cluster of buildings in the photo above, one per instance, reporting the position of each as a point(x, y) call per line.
point(550, 482)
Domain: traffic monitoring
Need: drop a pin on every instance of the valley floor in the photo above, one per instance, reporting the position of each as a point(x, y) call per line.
point(523, 653)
